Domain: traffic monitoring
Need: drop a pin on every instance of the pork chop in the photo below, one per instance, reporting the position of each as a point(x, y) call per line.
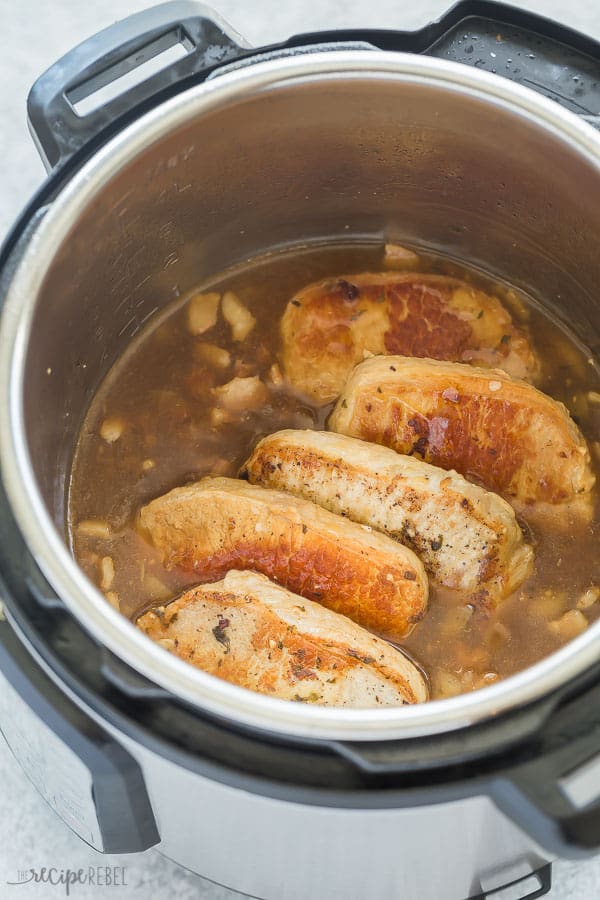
point(496, 430)
point(467, 538)
point(258, 635)
point(329, 327)
point(218, 524)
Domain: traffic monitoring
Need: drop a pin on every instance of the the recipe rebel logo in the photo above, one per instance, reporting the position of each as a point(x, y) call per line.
point(68, 879)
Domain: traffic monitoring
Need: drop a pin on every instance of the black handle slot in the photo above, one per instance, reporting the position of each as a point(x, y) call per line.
point(158, 54)
point(56, 101)
point(537, 883)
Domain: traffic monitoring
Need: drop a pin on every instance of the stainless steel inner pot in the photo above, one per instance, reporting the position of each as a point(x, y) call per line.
point(344, 144)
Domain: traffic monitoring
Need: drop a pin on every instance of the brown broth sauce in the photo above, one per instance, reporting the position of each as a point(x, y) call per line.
point(158, 394)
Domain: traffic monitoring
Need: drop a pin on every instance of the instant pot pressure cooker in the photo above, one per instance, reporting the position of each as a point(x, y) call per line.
point(474, 137)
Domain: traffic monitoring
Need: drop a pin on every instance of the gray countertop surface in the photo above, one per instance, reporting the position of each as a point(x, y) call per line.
point(35, 33)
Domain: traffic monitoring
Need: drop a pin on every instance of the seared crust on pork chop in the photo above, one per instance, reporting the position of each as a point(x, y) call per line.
point(258, 635)
point(328, 327)
point(218, 524)
point(492, 428)
point(467, 538)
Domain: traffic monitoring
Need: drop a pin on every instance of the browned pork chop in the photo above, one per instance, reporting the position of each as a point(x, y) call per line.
point(218, 524)
point(488, 426)
point(468, 538)
point(328, 327)
point(260, 636)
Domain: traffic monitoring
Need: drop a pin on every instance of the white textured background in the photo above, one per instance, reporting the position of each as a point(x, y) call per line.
point(34, 33)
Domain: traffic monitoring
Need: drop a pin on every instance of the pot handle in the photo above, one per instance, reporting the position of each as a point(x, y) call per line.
point(529, 49)
point(546, 779)
point(545, 56)
point(554, 794)
point(56, 103)
point(87, 777)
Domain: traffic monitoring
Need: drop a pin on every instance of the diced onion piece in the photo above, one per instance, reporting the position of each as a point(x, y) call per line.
point(549, 604)
point(446, 684)
point(96, 528)
point(569, 625)
point(241, 394)
point(212, 355)
point(589, 597)
point(202, 312)
point(397, 257)
point(238, 316)
point(112, 429)
point(107, 573)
